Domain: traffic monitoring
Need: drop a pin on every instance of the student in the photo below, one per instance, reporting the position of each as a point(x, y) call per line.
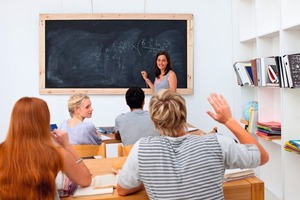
point(165, 77)
point(80, 132)
point(29, 159)
point(137, 123)
point(177, 165)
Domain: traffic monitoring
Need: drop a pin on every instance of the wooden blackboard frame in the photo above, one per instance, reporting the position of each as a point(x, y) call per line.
point(145, 17)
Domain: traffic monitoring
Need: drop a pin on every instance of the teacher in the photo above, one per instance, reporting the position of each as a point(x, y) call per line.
point(165, 77)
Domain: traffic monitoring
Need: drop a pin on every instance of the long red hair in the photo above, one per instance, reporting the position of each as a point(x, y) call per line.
point(29, 160)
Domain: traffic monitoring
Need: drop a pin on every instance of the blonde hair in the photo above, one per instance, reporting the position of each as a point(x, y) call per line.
point(168, 112)
point(75, 102)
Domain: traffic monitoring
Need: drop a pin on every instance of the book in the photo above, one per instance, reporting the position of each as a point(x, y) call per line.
point(254, 72)
point(242, 73)
point(236, 174)
point(273, 74)
point(248, 68)
point(292, 65)
point(267, 136)
point(104, 181)
point(89, 191)
point(295, 143)
point(278, 62)
point(101, 184)
point(288, 146)
point(238, 76)
point(262, 69)
point(270, 124)
point(253, 117)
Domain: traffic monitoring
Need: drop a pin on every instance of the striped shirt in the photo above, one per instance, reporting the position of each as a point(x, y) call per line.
point(181, 169)
point(187, 167)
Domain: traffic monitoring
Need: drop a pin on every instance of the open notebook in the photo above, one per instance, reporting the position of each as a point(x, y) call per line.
point(101, 184)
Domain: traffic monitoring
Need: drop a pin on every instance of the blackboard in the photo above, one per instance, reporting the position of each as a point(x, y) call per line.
point(98, 54)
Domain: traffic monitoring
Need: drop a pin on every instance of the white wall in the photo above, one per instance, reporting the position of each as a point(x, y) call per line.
point(19, 54)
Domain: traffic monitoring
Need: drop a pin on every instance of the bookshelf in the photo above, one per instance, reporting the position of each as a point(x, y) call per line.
point(261, 29)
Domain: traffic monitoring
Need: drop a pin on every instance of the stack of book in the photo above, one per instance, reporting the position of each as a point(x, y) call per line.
point(269, 130)
point(292, 146)
point(237, 174)
point(275, 71)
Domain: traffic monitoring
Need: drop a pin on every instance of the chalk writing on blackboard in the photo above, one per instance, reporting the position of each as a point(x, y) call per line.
point(111, 53)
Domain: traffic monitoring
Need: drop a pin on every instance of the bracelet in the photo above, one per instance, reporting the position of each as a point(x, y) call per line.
point(147, 80)
point(79, 161)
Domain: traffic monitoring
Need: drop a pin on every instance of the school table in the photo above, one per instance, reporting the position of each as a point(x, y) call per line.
point(244, 189)
point(110, 138)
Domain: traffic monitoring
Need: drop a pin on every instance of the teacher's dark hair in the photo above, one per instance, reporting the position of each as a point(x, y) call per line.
point(169, 66)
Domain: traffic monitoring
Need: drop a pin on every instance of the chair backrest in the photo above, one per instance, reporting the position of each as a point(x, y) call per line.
point(90, 150)
point(124, 150)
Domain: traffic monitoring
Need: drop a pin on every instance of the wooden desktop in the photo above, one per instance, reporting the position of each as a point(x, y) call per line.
point(245, 189)
point(111, 137)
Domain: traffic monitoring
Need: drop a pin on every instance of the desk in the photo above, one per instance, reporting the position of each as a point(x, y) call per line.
point(245, 189)
point(113, 139)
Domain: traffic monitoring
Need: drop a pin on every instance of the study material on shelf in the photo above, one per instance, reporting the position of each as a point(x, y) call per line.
point(253, 117)
point(254, 72)
point(101, 184)
point(292, 65)
point(243, 76)
point(282, 76)
point(292, 147)
point(262, 65)
point(269, 130)
point(236, 174)
point(268, 136)
point(295, 143)
point(273, 73)
point(270, 124)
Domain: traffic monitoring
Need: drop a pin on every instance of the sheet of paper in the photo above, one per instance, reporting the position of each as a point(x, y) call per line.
point(189, 129)
point(87, 191)
point(104, 137)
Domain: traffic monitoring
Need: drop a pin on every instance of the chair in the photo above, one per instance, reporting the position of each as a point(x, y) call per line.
point(124, 150)
point(90, 150)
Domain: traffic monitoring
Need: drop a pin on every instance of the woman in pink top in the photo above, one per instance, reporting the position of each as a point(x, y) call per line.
point(165, 77)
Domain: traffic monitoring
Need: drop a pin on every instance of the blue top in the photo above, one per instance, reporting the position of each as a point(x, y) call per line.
point(163, 84)
point(81, 133)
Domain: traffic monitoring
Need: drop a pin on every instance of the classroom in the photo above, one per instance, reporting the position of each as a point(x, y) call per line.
point(216, 46)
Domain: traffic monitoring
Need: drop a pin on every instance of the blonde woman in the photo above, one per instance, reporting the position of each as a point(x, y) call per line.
point(80, 132)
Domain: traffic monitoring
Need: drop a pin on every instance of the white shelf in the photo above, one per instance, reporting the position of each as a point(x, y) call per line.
point(271, 28)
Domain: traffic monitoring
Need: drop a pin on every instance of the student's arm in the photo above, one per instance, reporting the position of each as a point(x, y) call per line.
point(74, 167)
point(128, 176)
point(123, 191)
point(223, 115)
point(172, 81)
point(147, 80)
